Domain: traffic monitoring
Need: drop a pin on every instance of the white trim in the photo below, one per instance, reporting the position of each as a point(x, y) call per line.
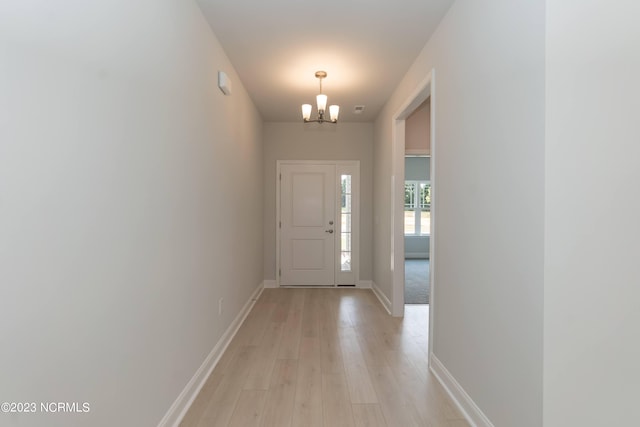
point(417, 152)
point(416, 255)
point(277, 224)
point(352, 277)
point(432, 240)
point(381, 297)
point(181, 405)
point(269, 284)
point(364, 284)
point(397, 213)
point(463, 401)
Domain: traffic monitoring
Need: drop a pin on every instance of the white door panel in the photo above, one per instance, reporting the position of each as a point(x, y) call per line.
point(307, 197)
point(308, 254)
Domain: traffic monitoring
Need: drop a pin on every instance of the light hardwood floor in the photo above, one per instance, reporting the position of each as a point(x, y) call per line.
point(325, 357)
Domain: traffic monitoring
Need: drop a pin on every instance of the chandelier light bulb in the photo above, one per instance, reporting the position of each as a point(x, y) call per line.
point(334, 110)
point(306, 111)
point(322, 102)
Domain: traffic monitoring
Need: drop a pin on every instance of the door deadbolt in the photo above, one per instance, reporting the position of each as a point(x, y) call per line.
point(330, 222)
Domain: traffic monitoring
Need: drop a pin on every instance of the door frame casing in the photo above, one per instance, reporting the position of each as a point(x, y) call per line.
point(339, 164)
point(423, 91)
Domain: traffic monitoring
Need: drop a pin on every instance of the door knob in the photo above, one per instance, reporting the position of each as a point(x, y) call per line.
point(328, 231)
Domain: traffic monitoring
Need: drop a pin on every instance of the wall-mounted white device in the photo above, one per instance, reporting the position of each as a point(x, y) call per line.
point(224, 83)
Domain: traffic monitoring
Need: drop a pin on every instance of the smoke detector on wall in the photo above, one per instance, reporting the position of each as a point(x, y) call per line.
point(358, 109)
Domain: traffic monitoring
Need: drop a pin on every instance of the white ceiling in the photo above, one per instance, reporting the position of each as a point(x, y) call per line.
point(365, 46)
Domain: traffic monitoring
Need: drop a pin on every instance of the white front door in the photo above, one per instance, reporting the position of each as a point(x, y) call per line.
point(307, 225)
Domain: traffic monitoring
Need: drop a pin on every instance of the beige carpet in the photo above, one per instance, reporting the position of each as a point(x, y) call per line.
point(416, 281)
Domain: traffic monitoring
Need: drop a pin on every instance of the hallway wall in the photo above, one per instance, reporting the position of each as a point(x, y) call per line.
point(488, 152)
point(130, 203)
point(592, 274)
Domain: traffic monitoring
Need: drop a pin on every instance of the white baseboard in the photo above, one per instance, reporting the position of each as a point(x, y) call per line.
point(463, 401)
point(416, 255)
point(174, 416)
point(381, 297)
point(268, 284)
point(417, 151)
point(364, 284)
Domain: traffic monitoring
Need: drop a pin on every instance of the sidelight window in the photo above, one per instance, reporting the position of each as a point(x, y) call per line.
point(346, 231)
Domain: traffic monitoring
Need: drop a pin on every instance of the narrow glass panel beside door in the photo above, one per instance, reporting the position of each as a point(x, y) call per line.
point(345, 223)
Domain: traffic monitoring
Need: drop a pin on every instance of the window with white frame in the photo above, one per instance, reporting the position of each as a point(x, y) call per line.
point(345, 222)
point(417, 208)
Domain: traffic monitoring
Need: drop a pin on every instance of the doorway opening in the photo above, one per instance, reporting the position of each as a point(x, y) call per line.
point(422, 96)
point(417, 204)
point(417, 228)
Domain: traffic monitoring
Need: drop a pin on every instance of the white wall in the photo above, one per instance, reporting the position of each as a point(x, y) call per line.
point(299, 141)
point(416, 247)
point(592, 273)
point(130, 202)
point(417, 168)
point(488, 58)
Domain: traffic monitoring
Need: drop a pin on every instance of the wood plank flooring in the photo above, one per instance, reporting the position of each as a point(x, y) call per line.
point(325, 358)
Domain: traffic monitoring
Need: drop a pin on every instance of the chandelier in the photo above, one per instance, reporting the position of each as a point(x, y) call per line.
point(321, 101)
